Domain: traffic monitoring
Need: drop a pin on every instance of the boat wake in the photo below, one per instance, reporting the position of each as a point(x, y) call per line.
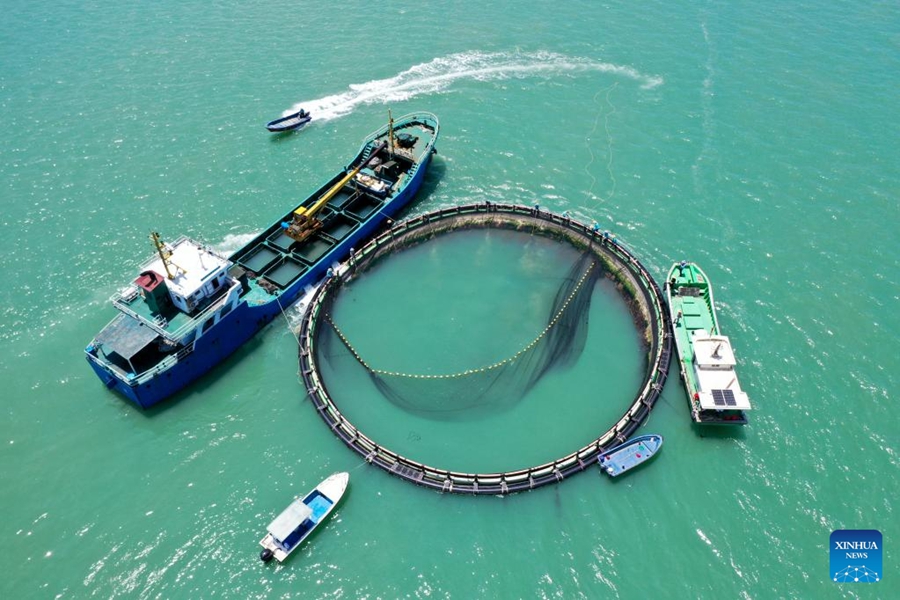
point(439, 74)
point(234, 242)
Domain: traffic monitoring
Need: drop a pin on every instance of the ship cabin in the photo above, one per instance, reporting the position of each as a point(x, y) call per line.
point(178, 297)
point(719, 393)
point(184, 280)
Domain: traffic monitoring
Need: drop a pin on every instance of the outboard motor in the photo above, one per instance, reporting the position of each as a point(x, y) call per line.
point(266, 555)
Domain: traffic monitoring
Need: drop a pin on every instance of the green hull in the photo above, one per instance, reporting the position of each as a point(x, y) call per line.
point(704, 355)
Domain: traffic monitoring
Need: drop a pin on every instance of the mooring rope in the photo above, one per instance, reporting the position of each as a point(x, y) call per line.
point(296, 337)
point(467, 372)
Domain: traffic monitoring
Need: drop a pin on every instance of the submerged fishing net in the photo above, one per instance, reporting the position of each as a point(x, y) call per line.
point(485, 387)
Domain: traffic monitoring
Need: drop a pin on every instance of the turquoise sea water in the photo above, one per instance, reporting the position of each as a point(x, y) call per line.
point(414, 315)
point(759, 139)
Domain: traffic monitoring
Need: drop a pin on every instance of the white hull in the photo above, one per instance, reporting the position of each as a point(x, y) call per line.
point(333, 488)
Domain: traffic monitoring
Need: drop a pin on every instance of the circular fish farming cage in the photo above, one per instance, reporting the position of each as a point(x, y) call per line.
point(640, 291)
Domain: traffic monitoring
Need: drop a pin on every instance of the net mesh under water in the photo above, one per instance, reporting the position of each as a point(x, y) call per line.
point(496, 386)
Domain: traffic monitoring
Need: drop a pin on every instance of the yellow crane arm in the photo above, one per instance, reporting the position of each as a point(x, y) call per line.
point(312, 210)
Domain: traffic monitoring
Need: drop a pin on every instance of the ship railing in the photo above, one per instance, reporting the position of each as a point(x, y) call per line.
point(135, 380)
point(428, 121)
point(121, 301)
point(426, 117)
point(150, 261)
point(159, 326)
point(120, 373)
point(161, 366)
point(206, 312)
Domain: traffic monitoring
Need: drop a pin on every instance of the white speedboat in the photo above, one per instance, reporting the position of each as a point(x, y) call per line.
point(301, 518)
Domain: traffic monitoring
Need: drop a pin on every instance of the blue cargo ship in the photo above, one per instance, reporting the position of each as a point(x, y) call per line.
point(189, 307)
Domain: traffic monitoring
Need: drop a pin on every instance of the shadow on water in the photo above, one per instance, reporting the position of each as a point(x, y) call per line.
point(281, 137)
point(720, 432)
point(632, 472)
point(436, 171)
point(208, 379)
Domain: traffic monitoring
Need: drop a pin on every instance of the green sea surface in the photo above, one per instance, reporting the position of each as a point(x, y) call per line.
point(758, 139)
point(412, 315)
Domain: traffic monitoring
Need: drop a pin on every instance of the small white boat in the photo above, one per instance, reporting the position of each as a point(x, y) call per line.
point(301, 518)
point(632, 453)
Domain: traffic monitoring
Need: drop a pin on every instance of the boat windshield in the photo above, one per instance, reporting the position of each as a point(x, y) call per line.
point(319, 506)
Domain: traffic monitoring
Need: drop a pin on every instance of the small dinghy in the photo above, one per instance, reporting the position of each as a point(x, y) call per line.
point(289, 122)
point(624, 457)
point(301, 518)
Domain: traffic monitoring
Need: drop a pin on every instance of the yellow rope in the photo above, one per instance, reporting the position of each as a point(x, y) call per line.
point(467, 372)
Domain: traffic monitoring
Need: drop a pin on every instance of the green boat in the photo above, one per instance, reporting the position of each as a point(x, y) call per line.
point(704, 354)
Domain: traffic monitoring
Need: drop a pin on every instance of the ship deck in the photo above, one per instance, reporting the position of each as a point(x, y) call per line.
point(690, 308)
point(149, 336)
point(170, 321)
point(692, 312)
point(274, 260)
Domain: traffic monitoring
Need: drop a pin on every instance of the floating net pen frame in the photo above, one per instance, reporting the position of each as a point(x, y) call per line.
point(641, 293)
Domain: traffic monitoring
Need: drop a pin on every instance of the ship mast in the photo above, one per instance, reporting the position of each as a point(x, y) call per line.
point(165, 254)
point(391, 132)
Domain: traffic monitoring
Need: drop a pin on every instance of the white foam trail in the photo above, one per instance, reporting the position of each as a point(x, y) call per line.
point(439, 74)
point(234, 241)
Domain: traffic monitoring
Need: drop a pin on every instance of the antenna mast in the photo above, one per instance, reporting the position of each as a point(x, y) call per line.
point(164, 253)
point(391, 131)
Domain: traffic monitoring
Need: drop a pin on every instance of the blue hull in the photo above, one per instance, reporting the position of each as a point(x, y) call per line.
point(211, 349)
point(245, 320)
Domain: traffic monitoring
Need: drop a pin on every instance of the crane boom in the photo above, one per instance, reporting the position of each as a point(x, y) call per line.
point(305, 223)
point(312, 210)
